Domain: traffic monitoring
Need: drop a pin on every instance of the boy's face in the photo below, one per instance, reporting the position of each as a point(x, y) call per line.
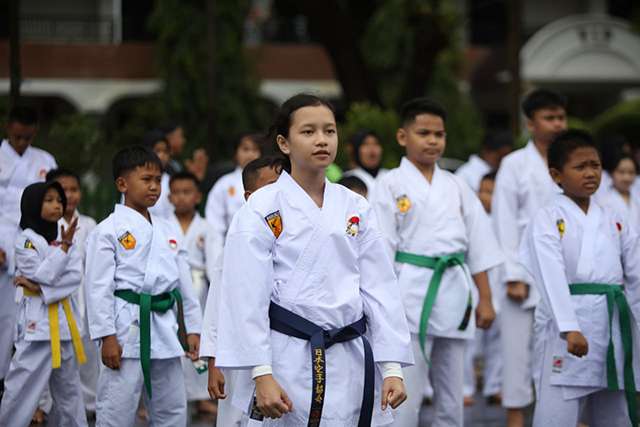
point(176, 141)
point(72, 191)
point(141, 187)
point(266, 176)
point(185, 195)
point(247, 152)
point(546, 123)
point(485, 193)
point(52, 208)
point(425, 139)
point(20, 136)
point(580, 176)
point(161, 148)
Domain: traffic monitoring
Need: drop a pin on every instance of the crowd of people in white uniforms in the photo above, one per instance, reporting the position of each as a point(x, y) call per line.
point(510, 258)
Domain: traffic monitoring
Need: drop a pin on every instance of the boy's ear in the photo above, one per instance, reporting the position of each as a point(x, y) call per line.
point(121, 184)
point(283, 144)
point(401, 136)
point(556, 175)
point(530, 125)
point(198, 197)
point(247, 194)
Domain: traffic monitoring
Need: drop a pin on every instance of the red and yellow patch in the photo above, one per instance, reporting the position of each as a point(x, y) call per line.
point(232, 191)
point(275, 222)
point(43, 173)
point(560, 224)
point(173, 244)
point(619, 227)
point(403, 203)
point(127, 241)
point(353, 225)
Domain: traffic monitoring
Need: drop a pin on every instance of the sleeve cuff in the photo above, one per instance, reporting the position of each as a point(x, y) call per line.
point(260, 370)
point(391, 369)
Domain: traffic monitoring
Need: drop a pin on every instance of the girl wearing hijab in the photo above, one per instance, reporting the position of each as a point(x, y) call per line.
point(365, 151)
point(47, 339)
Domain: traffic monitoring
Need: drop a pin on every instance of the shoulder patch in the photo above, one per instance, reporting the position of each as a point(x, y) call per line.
point(232, 191)
point(403, 203)
point(353, 225)
point(275, 222)
point(201, 242)
point(560, 224)
point(127, 241)
point(619, 227)
point(29, 245)
point(173, 244)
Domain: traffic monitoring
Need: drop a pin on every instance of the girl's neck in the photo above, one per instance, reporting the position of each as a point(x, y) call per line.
point(311, 181)
point(185, 219)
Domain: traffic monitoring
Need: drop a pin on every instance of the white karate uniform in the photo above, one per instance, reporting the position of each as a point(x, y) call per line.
point(327, 265)
point(444, 217)
point(59, 275)
point(523, 185)
point(224, 200)
point(630, 211)
point(163, 206)
point(155, 264)
point(16, 173)
point(597, 247)
point(473, 171)
point(203, 245)
point(368, 179)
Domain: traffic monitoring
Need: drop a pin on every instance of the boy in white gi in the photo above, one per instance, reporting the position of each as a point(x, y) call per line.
point(584, 259)
point(89, 371)
point(227, 194)
point(20, 165)
point(523, 186)
point(304, 276)
point(439, 235)
point(255, 175)
point(47, 336)
point(203, 246)
point(138, 288)
point(495, 145)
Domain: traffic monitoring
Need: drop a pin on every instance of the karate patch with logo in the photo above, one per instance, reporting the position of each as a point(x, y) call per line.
point(29, 245)
point(619, 227)
point(127, 241)
point(275, 222)
point(43, 173)
point(232, 191)
point(403, 203)
point(560, 224)
point(31, 326)
point(173, 244)
point(201, 242)
point(557, 365)
point(353, 225)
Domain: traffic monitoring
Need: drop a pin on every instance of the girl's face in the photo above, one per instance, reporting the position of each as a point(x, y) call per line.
point(247, 152)
point(370, 152)
point(52, 209)
point(312, 143)
point(623, 175)
point(161, 148)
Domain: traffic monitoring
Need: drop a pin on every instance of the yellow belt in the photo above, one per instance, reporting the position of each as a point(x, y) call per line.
point(54, 329)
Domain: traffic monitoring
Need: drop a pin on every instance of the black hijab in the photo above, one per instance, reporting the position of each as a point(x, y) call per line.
point(356, 141)
point(31, 208)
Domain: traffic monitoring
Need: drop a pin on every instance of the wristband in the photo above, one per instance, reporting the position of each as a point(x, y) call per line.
point(68, 243)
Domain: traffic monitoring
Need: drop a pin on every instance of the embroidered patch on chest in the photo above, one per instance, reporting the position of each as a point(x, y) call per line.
point(560, 224)
point(403, 203)
point(173, 244)
point(127, 241)
point(232, 191)
point(275, 222)
point(29, 245)
point(353, 225)
point(619, 227)
point(201, 242)
point(557, 365)
point(43, 173)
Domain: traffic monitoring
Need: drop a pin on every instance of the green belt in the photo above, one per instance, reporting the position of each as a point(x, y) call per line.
point(614, 294)
point(438, 265)
point(161, 304)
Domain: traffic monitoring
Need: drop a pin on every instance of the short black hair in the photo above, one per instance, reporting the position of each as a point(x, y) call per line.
point(251, 172)
point(184, 175)
point(24, 115)
point(418, 106)
point(129, 158)
point(61, 172)
point(491, 176)
point(167, 126)
point(353, 183)
point(256, 137)
point(542, 98)
point(495, 139)
point(565, 143)
point(152, 137)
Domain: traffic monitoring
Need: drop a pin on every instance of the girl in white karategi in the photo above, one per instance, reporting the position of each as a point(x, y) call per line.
point(440, 238)
point(584, 258)
point(47, 335)
point(366, 151)
point(624, 194)
point(304, 274)
point(227, 194)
